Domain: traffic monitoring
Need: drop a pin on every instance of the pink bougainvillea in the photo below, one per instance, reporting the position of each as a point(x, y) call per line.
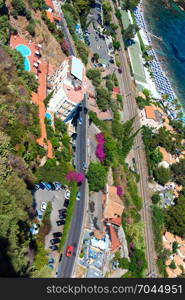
point(100, 147)
point(119, 191)
point(74, 176)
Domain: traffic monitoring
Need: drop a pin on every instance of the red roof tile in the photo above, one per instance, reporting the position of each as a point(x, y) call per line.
point(115, 243)
point(49, 3)
point(116, 90)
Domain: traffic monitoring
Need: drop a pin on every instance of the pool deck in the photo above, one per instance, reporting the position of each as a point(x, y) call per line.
point(37, 98)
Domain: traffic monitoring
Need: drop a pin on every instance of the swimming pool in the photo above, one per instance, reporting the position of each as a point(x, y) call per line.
point(25, 51)
point(49, 117)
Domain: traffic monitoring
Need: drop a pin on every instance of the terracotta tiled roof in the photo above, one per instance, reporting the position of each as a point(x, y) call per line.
point(179, 240)
point(166, 156)
point(49, 3)
point(178, 260)
point(113, 206)
point(167, 245)
point(116, 221)
point(149, 110)
point(169, 237)
point(177, 271)
point(116, 90)
point(50, 16)
point(170, 273)
point(115, 243)
point(181, 250)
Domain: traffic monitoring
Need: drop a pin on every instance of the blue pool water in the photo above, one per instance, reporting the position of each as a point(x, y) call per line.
point(25, 51)
point(48, 116)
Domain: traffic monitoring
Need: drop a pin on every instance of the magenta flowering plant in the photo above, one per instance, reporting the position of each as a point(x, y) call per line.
point(75, 176)
point(119, 191)
point(100, 154)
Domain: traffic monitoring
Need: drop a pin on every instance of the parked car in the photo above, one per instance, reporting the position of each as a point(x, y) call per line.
point(43, 206)
point(66, 203)
point(35, 229)
point(60, 257)
point(58, 186)
point(78, 196)
point(111, 61)
point(47, 185)
point(62, 217)
point(51, 261)
point(115, 265)
point(57, 234)
point(69, 251)
point(80, 121)
point(55, 241)
point(67, 194)
point(84, 166)
point(60, 222)
point(42, 186)
point(36, 187)
point(51, 266)
point(119, 70)
point(54, 247)
point(85, 110)
point(39, 214)
point(60, 211)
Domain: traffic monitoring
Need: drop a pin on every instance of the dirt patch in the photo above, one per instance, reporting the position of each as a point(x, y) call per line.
point(80, 271)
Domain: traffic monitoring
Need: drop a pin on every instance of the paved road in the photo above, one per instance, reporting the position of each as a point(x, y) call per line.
point(130, 110)
point(67, 264)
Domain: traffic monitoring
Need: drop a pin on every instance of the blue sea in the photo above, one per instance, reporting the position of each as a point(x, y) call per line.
point(168, 23)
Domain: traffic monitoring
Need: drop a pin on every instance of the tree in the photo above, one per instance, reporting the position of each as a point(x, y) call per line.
point(116, 45)
point(130, 32)
point(138, 263)
point(175, 218)
point(97, 176)
point(175, 247)
point(19, 6)
point(172, 265)
point(178, 171)
point(162, 175)
point(95, 76)
point(123, 263)
point(103, 98)
point(155, 198)
point(130, 4)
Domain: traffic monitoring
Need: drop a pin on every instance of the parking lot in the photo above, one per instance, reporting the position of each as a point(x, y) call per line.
point(57, 200)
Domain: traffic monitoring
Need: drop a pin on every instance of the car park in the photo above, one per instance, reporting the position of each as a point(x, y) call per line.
point(55, 241)
point(78, 196)
point(69, 251)
point(54, 247)
point(57, 234)
point(67, 194)
point(43, 206)
point(60, 222)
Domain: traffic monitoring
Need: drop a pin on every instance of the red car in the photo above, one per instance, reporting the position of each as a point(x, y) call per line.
point(69, 250)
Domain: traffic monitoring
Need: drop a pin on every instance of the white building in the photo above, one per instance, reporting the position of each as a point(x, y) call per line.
point(69, 84)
